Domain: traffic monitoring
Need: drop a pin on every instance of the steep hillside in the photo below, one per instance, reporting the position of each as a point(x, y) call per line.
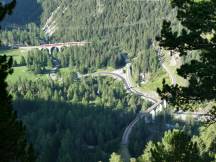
point(25, 12)
point(124, 26)
point(130, 26)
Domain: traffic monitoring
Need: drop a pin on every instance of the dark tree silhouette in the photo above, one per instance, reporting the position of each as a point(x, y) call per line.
point(13, 144)
point(176, 146)
point(198, 19)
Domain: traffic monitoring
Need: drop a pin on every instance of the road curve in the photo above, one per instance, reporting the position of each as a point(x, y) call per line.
point(125, 138)
point(140, 115)
point(127, 85)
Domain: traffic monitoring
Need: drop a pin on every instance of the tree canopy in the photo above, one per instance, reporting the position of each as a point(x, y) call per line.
point(13, 144)
point(197, 35)
point(176, 146)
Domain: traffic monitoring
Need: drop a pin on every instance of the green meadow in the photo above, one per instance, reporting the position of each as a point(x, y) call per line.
point(21, 72)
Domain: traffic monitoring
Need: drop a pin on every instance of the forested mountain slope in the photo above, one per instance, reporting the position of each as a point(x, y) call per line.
point(74, 117)
point(130, 26)
point(79, 121)
point(124, 26)
point(25, 12)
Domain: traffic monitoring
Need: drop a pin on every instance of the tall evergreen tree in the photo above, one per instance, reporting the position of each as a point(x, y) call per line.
point(198, 35)
point(13, 144)
point(176, 146)
point(115, 158)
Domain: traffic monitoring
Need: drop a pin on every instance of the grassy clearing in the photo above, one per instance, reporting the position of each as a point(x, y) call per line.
point(173, 69)
point(64, 72)
point(156, 81)
point(24, 74)
point(15, 53)
point(157, 78)
point(180, 81)
point(21, 72)
point(107, 69)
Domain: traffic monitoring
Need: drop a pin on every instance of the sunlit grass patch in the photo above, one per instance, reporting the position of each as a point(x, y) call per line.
point(24, 74)
point(156, 81)
point(15, 53)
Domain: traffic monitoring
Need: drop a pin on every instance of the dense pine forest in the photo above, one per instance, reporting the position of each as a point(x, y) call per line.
point(109, 25)
point(72, 132)
point(75, 103)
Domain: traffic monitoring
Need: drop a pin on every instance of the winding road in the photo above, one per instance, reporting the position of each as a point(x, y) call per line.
point(126, 78)
point(129, 86)
point(125, 138)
